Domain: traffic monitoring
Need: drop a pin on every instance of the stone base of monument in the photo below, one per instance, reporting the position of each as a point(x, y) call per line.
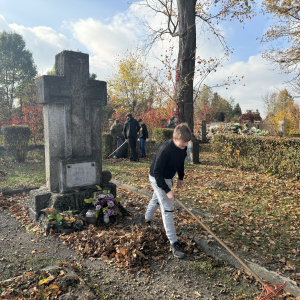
point(73, 200)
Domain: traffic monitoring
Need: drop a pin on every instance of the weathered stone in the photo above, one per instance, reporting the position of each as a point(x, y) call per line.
point(282, 127)
point(72, 124)
point(73, 144)
point(78, 173)
point(39, 199)
point(106, 176)
point(192, 152)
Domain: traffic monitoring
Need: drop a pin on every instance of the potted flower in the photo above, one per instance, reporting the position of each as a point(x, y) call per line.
point(105, 202)
point(64, 222)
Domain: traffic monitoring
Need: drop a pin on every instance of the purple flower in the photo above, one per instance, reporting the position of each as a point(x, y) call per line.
point(110, 212)
point(103, 202)
point(110, 197)
point(117, 203)
point(110, 203)
point(98, 207)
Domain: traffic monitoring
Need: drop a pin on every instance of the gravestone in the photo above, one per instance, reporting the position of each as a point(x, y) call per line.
point(192, 156)
point(72, 131)
point(282, 127)
point(203, 131)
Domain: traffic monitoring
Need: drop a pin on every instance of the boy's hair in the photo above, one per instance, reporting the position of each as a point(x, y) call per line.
point(182, 132)
point(129, 115)
point(117, 121)
point(140, 120)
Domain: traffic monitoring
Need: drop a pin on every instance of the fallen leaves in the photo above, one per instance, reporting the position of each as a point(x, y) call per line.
point(131, 250)
point(40, 284)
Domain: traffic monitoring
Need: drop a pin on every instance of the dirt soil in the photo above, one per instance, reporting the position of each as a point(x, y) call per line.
point(25, 253)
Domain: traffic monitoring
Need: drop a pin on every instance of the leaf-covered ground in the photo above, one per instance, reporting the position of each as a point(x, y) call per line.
point(116, 261)
point(250, 211)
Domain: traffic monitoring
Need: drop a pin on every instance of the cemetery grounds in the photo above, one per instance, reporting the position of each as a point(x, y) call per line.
point(256, 215)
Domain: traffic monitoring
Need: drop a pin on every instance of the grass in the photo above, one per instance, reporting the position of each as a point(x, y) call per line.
point(29, 173)
point(18, 265)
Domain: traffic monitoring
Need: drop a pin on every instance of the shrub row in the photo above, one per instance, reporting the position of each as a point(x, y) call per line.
point(16, 140)
point(272, 155)
point(161, 135)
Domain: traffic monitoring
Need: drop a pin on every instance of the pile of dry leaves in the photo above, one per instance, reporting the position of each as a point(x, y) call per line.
point(132, 250)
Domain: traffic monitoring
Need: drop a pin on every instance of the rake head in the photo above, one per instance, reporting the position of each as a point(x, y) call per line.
point(271, 290)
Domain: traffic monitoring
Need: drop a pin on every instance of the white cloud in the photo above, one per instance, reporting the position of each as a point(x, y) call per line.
point(43, 42)
point(106, 41)
point(3, 24)
point(258, 79)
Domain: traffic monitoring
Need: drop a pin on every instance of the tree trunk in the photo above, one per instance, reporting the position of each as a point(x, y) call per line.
point(186, 61)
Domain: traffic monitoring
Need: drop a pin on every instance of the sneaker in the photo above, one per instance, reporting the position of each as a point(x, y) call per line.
point(177, 251)
point(143, 221)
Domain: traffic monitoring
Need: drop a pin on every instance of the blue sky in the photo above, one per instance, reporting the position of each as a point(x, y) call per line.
point(107, 28)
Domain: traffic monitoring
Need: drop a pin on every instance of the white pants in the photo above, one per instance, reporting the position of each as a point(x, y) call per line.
point(160, 198)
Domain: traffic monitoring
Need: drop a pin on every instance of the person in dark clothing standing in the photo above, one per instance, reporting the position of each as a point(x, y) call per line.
point(130, 130)
point(168, 160)
point(116, 132)
point(143, 136)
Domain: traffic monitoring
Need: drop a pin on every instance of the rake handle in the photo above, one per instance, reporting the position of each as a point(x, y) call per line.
point(116, 149)
point(221, 242)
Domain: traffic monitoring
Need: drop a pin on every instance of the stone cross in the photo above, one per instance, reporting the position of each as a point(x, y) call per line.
point(72, 123)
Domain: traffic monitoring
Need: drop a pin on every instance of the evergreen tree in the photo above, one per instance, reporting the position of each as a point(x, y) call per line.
point(237, 110)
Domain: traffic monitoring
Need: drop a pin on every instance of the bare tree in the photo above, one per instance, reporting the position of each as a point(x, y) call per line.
point(180, 21)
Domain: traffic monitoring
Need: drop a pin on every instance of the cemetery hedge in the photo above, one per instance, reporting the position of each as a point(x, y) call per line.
point(161, 135)
point(16, 140)
point(271, 155)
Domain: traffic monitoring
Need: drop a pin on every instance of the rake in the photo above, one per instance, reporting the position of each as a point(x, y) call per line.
point(116, 149)
point(269, 290)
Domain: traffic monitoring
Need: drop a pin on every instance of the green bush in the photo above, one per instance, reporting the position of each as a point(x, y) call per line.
point(161, 135)
point(16, 140)
point(271, 155)
point(107, 145)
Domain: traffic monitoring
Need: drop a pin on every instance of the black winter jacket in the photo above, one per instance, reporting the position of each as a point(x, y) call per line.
point(131, 128)
point(143, 132)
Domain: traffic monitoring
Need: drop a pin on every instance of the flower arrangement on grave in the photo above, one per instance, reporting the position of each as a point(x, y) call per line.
point(105, 202)
point(64, 220)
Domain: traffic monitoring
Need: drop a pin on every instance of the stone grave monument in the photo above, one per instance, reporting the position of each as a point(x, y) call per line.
point(282, 127)
point(192, 151)
point(72, 129)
